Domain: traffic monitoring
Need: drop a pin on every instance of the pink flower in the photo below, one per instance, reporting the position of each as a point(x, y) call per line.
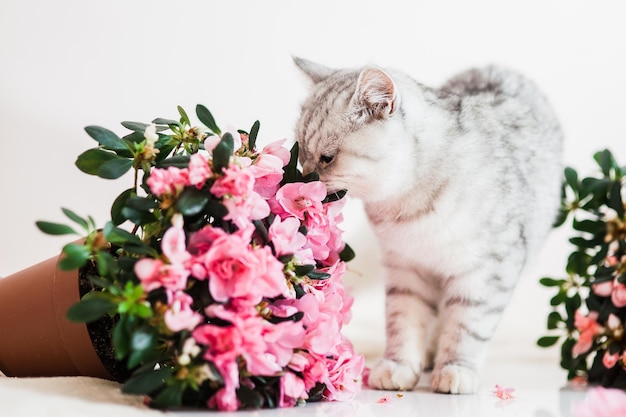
point(299, 198)
point(170, 181)
point(235, 270)
point(268, 173)
point(588, 328)
point(618, 296)
point(153, 274)
point(241, 210)
point(503, 393)
point(292, 388)
point(199, 170)
point(278, 150)
point(236, 182)
point(180, 316)
point(603, 289)
point(286, 238)
point(609, 360)
point(602, 402)
point(344, 373)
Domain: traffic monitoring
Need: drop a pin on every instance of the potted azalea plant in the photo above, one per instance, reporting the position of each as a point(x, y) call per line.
point(219, 274)
point(589, 307)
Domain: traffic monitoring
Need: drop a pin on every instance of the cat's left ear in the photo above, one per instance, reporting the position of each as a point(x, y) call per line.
point(375, 96)
point(316, 72)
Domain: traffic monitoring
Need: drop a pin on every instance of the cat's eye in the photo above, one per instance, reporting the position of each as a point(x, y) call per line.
point(326, 159)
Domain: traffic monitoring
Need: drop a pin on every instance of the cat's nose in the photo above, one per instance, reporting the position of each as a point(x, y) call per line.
point(308, 167)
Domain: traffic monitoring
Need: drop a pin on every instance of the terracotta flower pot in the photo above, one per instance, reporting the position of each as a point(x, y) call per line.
point(36, 339)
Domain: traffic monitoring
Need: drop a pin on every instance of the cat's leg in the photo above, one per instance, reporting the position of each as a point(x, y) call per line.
point(410, 310)
point(469, 311)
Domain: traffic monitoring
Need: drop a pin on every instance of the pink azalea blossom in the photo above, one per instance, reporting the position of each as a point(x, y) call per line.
point(299, 198)
point(344, 373)
point(241, 210)
point(286, 238)
point(588, 328)
point(603, 289)
point(292, 388)
point(268, 173)
point(235, 270)
point(618, 296)
point(278, 150)
point(503, 393)
point(180, 316)
point(199, 170)
point(170, 181)
point(602, 402)
point(236, 182)
point(610, 360)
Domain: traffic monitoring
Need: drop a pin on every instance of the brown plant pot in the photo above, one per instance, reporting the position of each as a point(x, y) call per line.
point(36, 339)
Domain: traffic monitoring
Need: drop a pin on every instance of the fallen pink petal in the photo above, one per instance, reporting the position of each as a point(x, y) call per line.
point(503, 393)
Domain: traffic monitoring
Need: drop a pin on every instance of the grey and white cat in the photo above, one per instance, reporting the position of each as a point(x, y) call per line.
point(461, 185)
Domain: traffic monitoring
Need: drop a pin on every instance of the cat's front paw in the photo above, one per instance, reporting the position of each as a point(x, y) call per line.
point(392, 375)
point(455, 379)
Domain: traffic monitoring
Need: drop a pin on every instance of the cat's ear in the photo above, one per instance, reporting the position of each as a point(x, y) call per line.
point(316, 72)
point(375, 95)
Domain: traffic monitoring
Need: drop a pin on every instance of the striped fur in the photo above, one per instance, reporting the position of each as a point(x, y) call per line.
point(461, 185)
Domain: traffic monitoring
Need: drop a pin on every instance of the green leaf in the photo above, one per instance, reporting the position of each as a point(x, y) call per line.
point(207, 119)
point(90, 309)
point(75, 256)
point(222, 152)
point(51, 228)
point(138, 127)
point(560, 218)
point(547, 341)
point(571, 176)
point(147, 382)
point(121, 337)
point(249, 397)
point(291, 169)
point(114, 168)
point(578, 263)
point(178, 161)
point(302, 270)
point(142, 344)
point(605, 161)
point(138, 210)
point(318, 275)
point(163, 121)
point(191, 201)
point(120, 202)
point(184, 118)
point(551, 282)
point(554, 318)
point(261, 230)
point(107, 266)
point(254, 132)
point(347, 254)
point(106, 138)
point(170, 397)
point(119, 236)
point(216, 209)
point(615, 199)
point(335, 196)
point(75, 218)
point(590, 226)
point(91, 160)
point(559, 298)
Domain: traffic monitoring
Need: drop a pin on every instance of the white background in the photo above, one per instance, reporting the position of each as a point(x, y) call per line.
point(67, 64)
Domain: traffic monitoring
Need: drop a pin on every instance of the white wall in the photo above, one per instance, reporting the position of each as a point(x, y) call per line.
point(66, 64)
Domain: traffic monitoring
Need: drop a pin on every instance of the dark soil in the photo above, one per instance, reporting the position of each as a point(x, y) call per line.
point(100, 332)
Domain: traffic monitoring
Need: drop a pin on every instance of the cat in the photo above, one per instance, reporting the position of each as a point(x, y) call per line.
point(461, 185)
